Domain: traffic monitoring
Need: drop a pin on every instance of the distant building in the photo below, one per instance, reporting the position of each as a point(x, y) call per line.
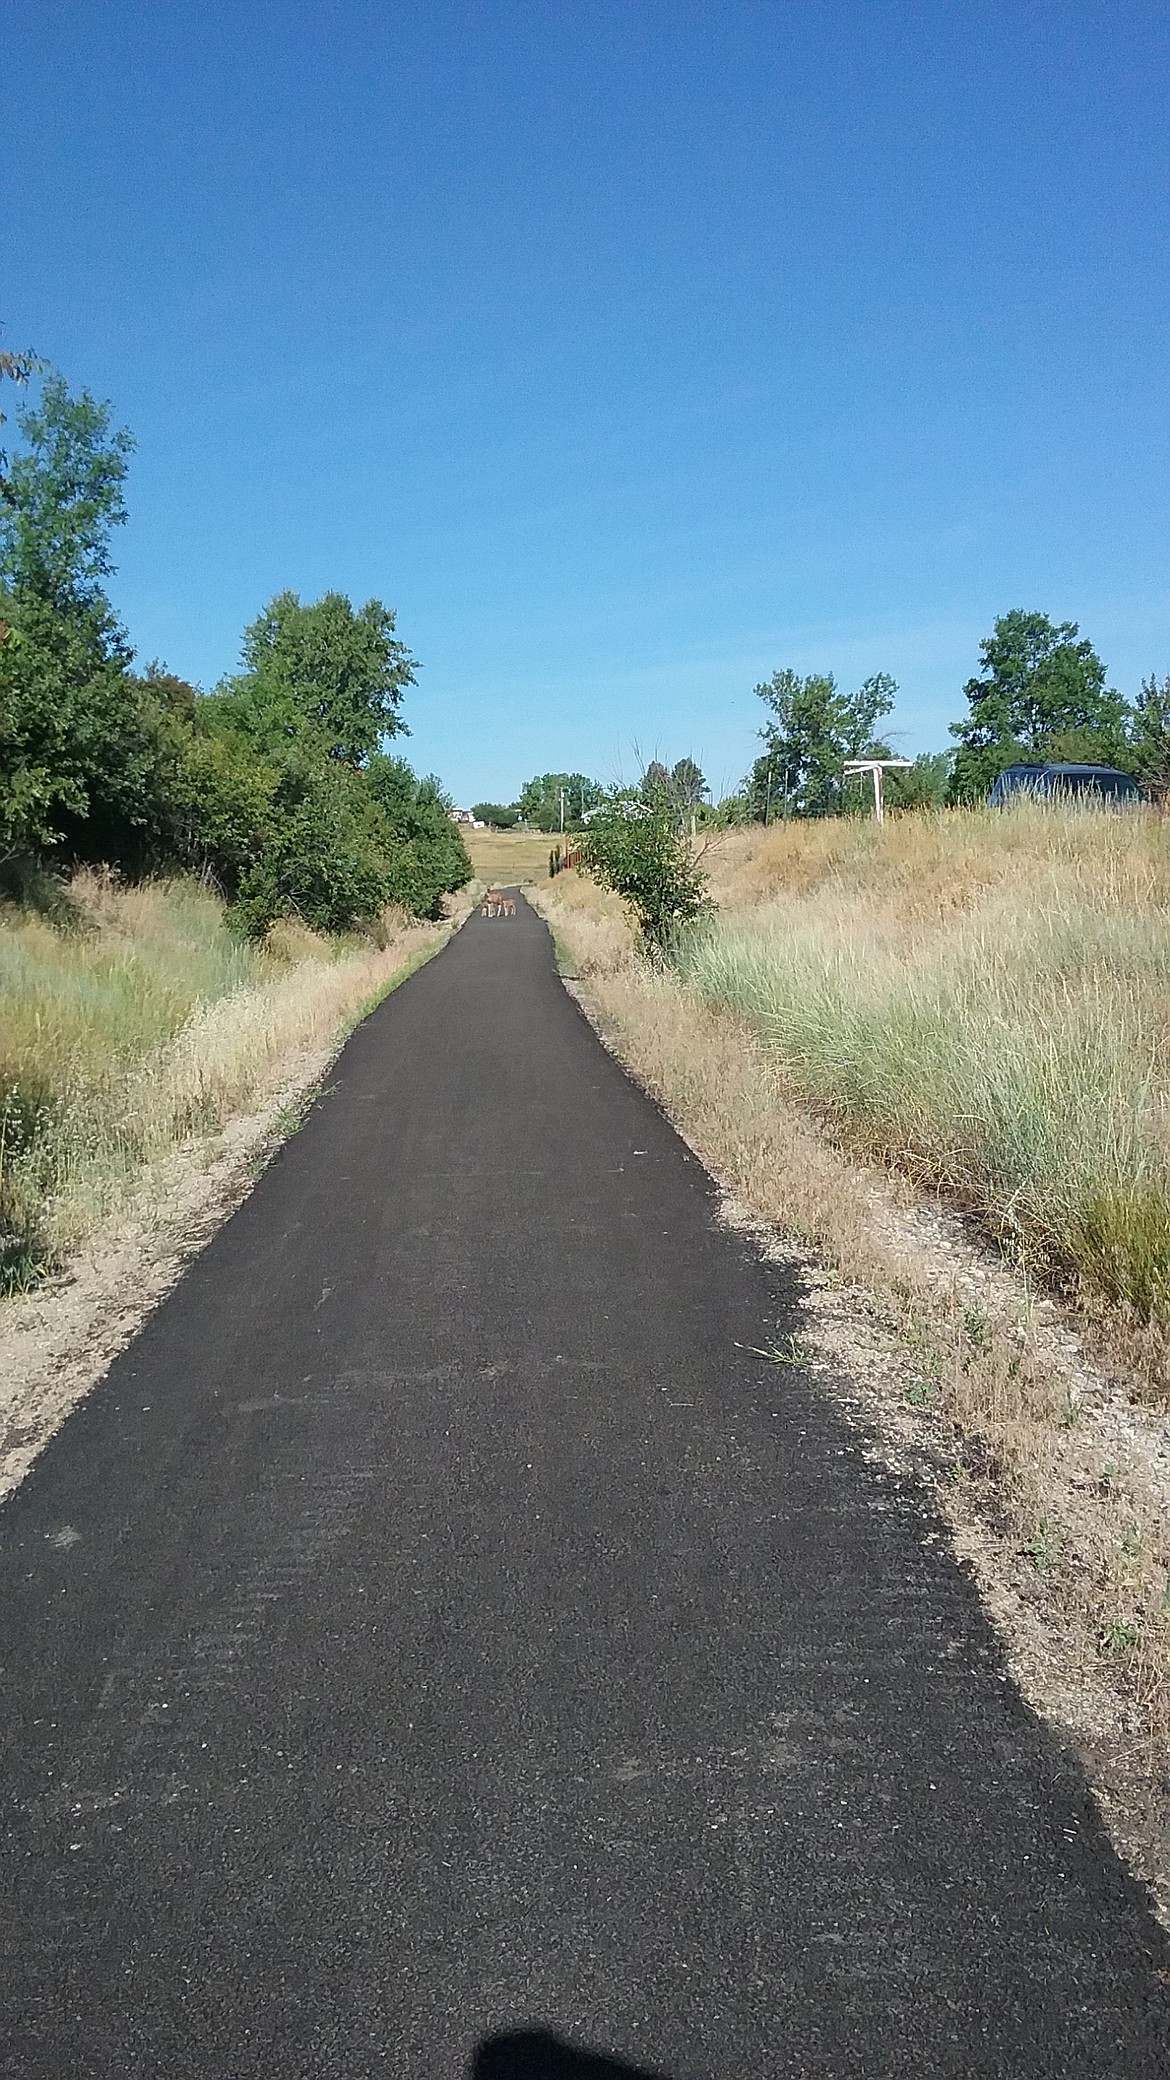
point(465, 816)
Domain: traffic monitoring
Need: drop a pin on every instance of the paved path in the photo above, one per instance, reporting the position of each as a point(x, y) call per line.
point(436, 1622)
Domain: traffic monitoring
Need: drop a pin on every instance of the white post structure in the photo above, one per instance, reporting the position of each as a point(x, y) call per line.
point(876, 767)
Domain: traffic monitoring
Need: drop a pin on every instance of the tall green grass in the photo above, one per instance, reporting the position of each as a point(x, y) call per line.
point(985, 1002)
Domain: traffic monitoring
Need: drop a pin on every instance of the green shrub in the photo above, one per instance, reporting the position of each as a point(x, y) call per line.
point(325, 860)
point(427, 858)
point(634, 846)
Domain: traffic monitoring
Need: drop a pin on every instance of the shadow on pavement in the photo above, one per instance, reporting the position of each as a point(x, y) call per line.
point(535, 2054)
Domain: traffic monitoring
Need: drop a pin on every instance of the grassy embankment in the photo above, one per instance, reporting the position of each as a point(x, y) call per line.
point(139, 1023)
point(982, 1001)
point(976, 1003)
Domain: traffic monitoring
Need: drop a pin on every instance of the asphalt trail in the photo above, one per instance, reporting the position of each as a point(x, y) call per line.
point(436, 1624)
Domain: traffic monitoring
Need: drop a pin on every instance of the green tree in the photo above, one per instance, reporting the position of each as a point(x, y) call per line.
point(499, 817)
point(816, 727)
point(277, 787)
point(61, 499)
point(688, 787)
point(1149, 736)
point(681, 787)
point(341, 829)
point(325, 857)
point(82, 755)
point(89, 753)
point(733, 811)
point(170, 694)
point(293, 832)
point(223, 808)
point(1041, 695)
point(924, 785)
point(322, 672)
point(428, 858)
point(540, 800)
point(635, 847)
point(19, 369)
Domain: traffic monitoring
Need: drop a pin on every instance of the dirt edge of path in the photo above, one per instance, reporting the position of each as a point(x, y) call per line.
point(1104, 1471)
point(60, 1339)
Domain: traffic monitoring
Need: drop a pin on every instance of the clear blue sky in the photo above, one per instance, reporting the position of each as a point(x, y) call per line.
point(628, 348)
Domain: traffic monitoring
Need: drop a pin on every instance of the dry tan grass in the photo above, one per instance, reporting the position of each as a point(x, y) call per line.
point(919, 870)
point(509, 857)
point(225, 1058)
point(149, 1026)
point(1058, 1488)
point(983, 1001)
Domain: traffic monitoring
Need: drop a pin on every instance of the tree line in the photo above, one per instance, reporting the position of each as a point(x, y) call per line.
point(277, 786)
point(567, 801)
point(1040, 696)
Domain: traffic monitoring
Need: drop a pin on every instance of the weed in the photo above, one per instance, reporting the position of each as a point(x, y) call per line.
point(1044, 1546)
point(26, 1252)
point(1071, 1409)
point(922, 1393)
point(977, 1329)
point(289, 1118)
point(1119, 1638)
point(792, 1351)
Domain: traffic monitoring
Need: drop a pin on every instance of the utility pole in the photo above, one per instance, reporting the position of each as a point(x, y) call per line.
point(875, 768)
point(562, 812)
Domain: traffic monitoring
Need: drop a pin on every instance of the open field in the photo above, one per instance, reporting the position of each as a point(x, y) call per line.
point(141, 1024)
point(508, 857)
